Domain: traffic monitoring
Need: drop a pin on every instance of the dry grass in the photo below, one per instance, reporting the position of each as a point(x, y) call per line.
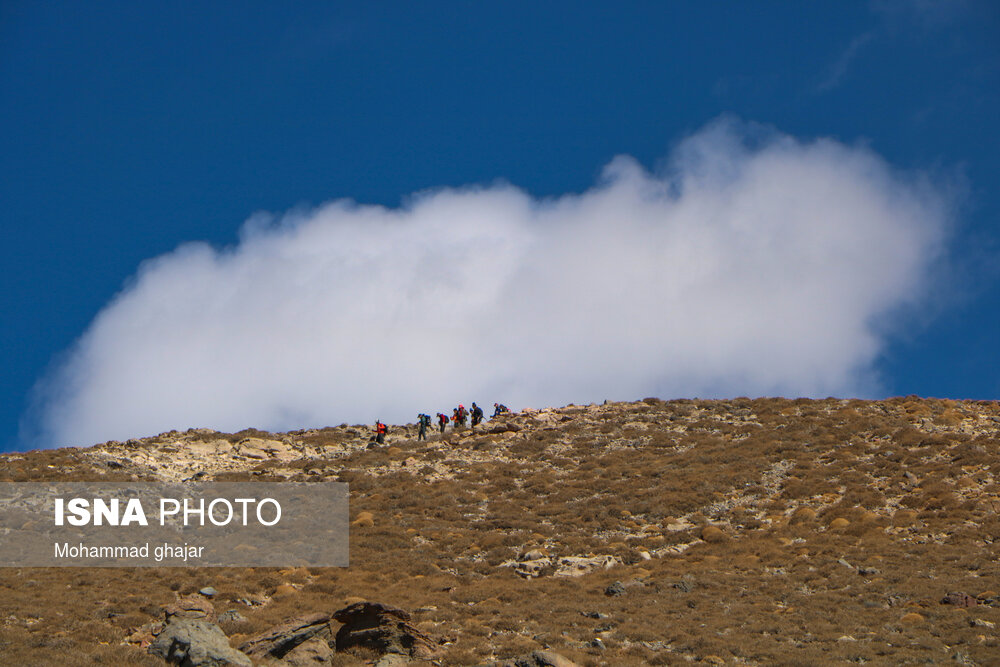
point(796, 496)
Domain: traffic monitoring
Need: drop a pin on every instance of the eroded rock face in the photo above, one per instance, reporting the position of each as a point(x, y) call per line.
point(381, 628)
point(190, 642)
point(283, 639)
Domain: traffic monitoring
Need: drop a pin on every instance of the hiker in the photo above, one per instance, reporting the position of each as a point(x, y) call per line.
point(461, 413)
point(499, 409)
point(380, 432)
point(477, 415)
point(425, 421)
point(442, 421)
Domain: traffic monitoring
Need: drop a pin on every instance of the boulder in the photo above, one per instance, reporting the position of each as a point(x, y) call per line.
point(190, 607)
point(381, 628)
point(309, 653)
point(281, 640)
point(960, 599)
point(190, 642)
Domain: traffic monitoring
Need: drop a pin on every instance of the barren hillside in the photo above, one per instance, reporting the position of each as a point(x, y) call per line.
point(753, 532)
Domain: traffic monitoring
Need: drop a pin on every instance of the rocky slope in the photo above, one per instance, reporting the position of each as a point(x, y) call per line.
point(760, 531)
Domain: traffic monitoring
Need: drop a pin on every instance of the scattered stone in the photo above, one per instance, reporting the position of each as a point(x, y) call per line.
point(231, 616)
point(280, 640)
point(684, 586)
point(981, 623)
point(960, 600)
point(598, 644)
point(616, 589)
point(381, 628)
point(208, 591)
point(576, 566)
point(567, 566)
point(191, 642)
point(867, 571)
point(144, 635)
point(534, 554)
point(595, 614)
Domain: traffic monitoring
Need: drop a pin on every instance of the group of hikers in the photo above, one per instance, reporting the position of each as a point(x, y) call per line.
point(458, 418)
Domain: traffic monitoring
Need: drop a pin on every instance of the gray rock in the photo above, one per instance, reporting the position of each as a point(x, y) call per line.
point(190, 642)
point(208, 591)
point(281, 640)
point(231, 616)
point(311, 652)
point(615, 589)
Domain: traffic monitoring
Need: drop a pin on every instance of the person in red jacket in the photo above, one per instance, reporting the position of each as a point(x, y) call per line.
point(442, 421)
point(380, 432)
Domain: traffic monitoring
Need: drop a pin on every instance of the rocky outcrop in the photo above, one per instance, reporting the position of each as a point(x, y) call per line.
point(283, 639)
point(190, 642)
point(381, 628)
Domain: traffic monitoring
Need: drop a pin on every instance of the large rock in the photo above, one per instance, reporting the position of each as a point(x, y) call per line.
point(190, 607)
point(190, 642)
point(381, 628)
point(281, 640)
point(310, 653)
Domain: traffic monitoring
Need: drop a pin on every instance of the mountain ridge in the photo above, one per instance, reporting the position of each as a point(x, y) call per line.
point(746, 531)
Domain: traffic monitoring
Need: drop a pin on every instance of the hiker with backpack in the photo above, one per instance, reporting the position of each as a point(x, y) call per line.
point(424, 421)
point(380, 432)
point(499, 409)
point(460, 414)
point(477, 415)
point(442, 421)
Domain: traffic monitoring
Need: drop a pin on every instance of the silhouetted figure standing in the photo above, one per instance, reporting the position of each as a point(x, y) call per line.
point(425, 421)
point(477, 415)
point(442, 421)
point(380, 432)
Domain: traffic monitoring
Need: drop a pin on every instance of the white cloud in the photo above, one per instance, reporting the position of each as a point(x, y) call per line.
point(753, 264)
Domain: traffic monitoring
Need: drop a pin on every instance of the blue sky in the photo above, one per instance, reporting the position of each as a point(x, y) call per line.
point(129, 129)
